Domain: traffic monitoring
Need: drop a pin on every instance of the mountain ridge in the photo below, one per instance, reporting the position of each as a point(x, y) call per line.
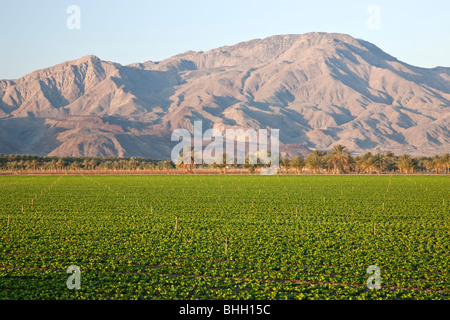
point(319, 89)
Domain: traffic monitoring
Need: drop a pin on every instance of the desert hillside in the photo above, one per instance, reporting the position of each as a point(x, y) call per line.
point(319, 89)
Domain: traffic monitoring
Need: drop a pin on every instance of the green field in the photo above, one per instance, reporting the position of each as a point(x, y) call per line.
point(224, 237)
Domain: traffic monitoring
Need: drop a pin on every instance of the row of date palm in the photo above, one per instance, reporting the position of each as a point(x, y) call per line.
point(339, 160)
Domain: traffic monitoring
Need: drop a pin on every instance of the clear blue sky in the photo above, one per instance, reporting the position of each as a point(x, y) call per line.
point(34, 35)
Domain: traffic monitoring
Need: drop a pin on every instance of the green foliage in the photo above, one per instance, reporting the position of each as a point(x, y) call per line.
point(288, 237)
point(338, 160)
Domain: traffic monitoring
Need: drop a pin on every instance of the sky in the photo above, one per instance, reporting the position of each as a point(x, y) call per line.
point(36, 34)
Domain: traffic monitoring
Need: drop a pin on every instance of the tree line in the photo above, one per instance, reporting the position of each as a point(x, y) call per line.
point(18, 162)
point(337, 161)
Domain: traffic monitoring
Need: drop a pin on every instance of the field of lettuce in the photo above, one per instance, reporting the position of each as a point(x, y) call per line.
point(225, 237)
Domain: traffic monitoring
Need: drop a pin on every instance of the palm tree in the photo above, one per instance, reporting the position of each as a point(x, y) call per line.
point(34, 163)
point(105, 165)
point(132, 164)
point(379, 162)
point(340, 158)
point(92, 164)
point(285, 164)
point(187, 159)
point(406, 163)
point(21, 165)
point(445, 162)
point(122, 164)
point(28, 165)
point(60, 164)
point(85, 164)
point(53, 164)
point(11, 165)
point(328, 162)
point(149, 166)
point(167, 164)
point(75, 165)
point(298, 163)
point(434, 164)
point(389, 158)
point(365, 163)
point(314, 161)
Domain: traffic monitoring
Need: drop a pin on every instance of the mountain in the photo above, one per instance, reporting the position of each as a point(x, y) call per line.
point(319, 89)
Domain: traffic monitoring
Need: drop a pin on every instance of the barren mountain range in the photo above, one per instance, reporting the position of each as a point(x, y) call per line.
point(319, 89)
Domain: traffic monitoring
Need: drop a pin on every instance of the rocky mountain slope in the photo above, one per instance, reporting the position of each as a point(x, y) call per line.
point(319, 89)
